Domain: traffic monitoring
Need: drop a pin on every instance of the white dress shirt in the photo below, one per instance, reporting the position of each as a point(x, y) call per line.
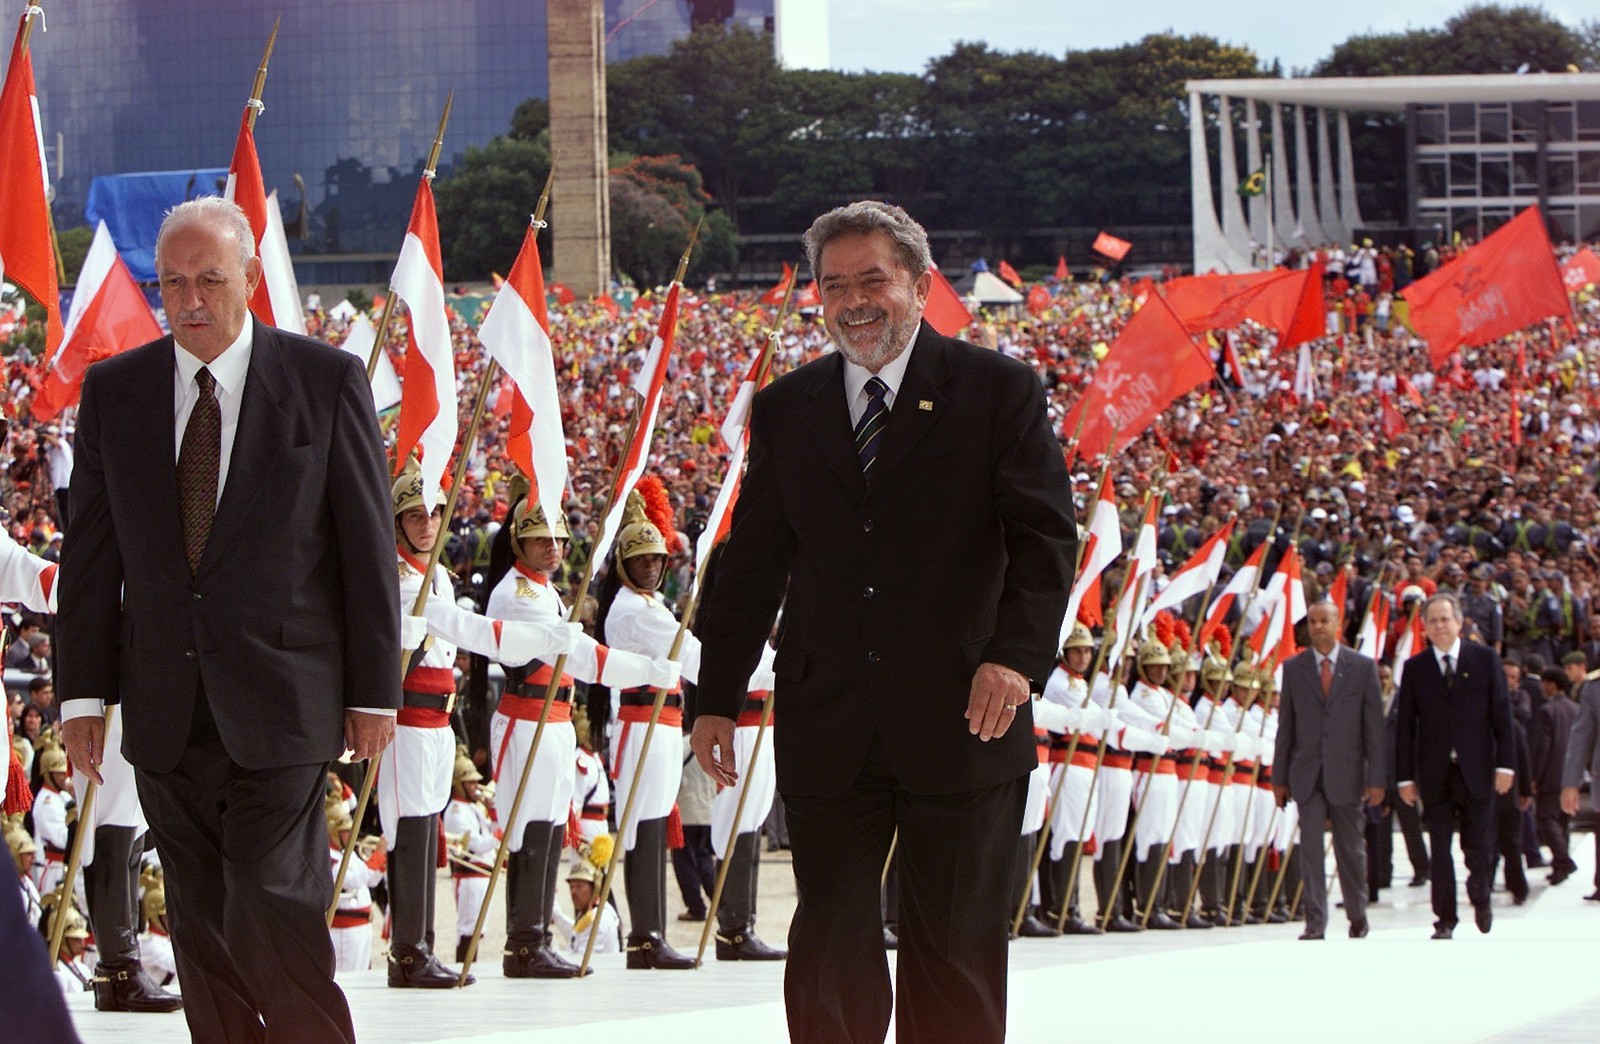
point(856, 378)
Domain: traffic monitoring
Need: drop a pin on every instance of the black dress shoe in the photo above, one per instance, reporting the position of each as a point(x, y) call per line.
point(1358, 929)
point(1076, 925)
point(1558, 876)
point(652, 951)
point(891, 941)
point(536, 962)
point(745, 946)
point(1033, 928)
point(1311, 935)
point(416, 968)
point(1277, 917)
point(1420, 881)
point(1162, 923)
point(1537, 863)
point(1518, 898)
point(1593, 897)
point(1120, 923)
point(1484, 916)
point(130, 988)
point(1195, 920)
point(1442, 932)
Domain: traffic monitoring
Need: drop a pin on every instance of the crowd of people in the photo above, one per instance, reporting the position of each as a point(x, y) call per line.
point(1477, 480)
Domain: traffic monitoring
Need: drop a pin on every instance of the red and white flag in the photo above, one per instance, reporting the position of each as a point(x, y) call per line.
point(1412, 640)
point(428, 396)
point(1102, 546)
point(360, 335)
point(1197, 574)
point(1140, 565)
point(26, 255)
point(108, 315)
point(1112, 247)
point(1010, 274)
point(276, 300)
point(1284, 600)
point(1374, 626)
point(652, 376)
point(1339, 593)
point(735, 432)
point(1241, 583)
point(516, 335)
point(945, 311)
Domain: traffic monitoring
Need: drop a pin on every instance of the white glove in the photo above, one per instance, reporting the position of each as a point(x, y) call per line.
point(1244, 748)
point(664, 674)
point(1098, 717)
point(1052, 717)
point(1223, 741)
point(523, 640)
point(1146, 743)
point(413, 629)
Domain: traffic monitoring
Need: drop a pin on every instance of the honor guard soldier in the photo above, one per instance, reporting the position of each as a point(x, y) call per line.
point(1062, 710)
point(637, 619)
point(1192, 775)
point(50, 819)
point(23, 853)
point(736, 931)
point(472, 841)
point(1280, 827)
point(1124, 739)
point(352, 918)
point(583, 887)
point(591, 793)
point(155, 942)
point(1218, 806)
point(1155, 773)
point(72, 969)
point(414, 780)
point(538, 835)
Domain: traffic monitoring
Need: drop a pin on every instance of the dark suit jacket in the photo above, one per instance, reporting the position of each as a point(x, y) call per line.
point(1523, 787)
point(1471, 717)
point(291, 616)
point(1342, 739)
point(1552, 726)
point(959, 552)
point(1583, 750)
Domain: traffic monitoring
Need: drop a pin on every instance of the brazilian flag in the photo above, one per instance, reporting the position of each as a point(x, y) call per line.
point(1255, 184)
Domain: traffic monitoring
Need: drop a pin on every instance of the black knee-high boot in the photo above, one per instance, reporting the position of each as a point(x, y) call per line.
point(736, 936)
point(645, 873)
point(411, 874)
point(110, 884)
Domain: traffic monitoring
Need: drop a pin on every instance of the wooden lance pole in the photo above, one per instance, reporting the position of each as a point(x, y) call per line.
point(58, 916)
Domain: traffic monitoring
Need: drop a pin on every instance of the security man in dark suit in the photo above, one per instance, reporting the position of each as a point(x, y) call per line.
point(1454, 747)
point(228, 578)
point(1552, 729)
point(925, 560)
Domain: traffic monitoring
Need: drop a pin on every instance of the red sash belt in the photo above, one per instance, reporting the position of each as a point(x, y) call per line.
point(1214, 775)
point(541, 677)
point(1117, 761)
point(528, 708)
point(352, 918)
point(746, 719)
point(1265, 780)
point(671, 712)
point(435, 681)
point(422, 718)
point(1164, 766)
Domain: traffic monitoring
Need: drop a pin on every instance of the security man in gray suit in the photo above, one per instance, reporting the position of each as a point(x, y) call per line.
point(1330, 757)
point(1583, 752)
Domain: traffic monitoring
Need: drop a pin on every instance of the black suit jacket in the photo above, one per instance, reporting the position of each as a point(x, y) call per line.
point(1552, 725)
point(1472, 716)
point(959, 552)
point(291, 616)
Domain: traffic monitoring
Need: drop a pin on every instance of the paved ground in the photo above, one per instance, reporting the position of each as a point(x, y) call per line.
point(1532, 979)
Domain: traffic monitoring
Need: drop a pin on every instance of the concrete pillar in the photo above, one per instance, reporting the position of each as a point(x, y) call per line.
point(580, 207)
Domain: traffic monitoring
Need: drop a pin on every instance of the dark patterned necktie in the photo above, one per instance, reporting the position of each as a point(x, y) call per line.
point(199, 458)
point(1449, 669)
point(869, 429)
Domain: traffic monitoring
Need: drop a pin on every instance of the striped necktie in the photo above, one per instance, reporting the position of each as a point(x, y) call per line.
point(199, 459)
point(869, 429)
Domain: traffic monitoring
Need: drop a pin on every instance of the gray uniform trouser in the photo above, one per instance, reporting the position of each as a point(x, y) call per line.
point(1349, 853)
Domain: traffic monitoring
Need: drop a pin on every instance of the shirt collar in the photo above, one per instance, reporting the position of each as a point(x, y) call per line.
point(856, 377)
point(228, 369)
point(1454, 652)
point(1332, 657)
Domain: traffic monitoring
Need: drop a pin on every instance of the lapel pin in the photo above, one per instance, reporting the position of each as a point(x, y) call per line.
point(925, 404)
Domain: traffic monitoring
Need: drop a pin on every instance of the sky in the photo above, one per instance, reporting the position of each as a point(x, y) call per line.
point(902, 35)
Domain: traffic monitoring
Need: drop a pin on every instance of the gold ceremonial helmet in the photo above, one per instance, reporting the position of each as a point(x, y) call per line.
point(153, 906)
point(1153, 654)
point(407, 491)
point(529, 521)
point(52, 758)
point(1080, 638)
point(19, 840)
point(639, 535)
point(1214, 673)
point(592, 859)
point(338, 816)
point(465, 771)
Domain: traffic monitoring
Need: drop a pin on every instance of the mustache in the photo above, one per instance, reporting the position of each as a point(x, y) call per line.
point(189, 318)
point(851, 315)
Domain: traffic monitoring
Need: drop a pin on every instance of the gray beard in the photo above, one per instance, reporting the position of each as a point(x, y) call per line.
point(896, 339)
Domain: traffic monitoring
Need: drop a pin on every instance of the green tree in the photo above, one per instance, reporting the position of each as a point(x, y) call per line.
point(1483, 38)
point(656, 201)
point(74, 245)
point(485, 203)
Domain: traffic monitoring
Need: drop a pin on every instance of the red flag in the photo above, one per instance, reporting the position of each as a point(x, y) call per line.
point(563, 293)
point(109, 315)
point(1517, 371)
point(428, 419)
point(1230, 355)
point(1151, 363)
point(944, 311)
point(1009, 274)
point(1393, 424)
point(1289, 302)
point(1581, 269)
point(1038, 299)
point(504, 397)
point(774, 297)
point(1061, 269)
point(1404, 386)
point(1338, 594)
point(1497, 287)
point(807, 298)
point(610, 305)
point(1112, 247)
point(26, 255)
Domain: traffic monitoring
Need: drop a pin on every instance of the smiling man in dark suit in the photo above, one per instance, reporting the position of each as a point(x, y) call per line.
point(1330, 756)
point(1454, 746)
point(228, 578)
point(908, 502)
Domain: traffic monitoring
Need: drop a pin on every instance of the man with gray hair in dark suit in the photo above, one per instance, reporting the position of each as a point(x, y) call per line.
point(1330, 757)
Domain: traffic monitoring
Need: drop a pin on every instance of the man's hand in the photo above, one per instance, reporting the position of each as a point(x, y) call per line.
point(997, 692)
point(1408, 793)
point(85, 740)
point(1503, 780)
point(1280, 794)
point(365, 735)
point(1569, 800)
point(712, 743)
point(1524, 803)
point(1373, 796)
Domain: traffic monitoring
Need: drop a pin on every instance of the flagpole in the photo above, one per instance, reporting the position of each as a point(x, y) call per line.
point(428, 173)
point(762, 368)
point(1272, 248)
point(1133, 825)
point(58, 916)
point(253, 107)
point(34, 9)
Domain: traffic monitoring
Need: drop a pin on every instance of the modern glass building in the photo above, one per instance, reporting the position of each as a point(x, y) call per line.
point(353, 95)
